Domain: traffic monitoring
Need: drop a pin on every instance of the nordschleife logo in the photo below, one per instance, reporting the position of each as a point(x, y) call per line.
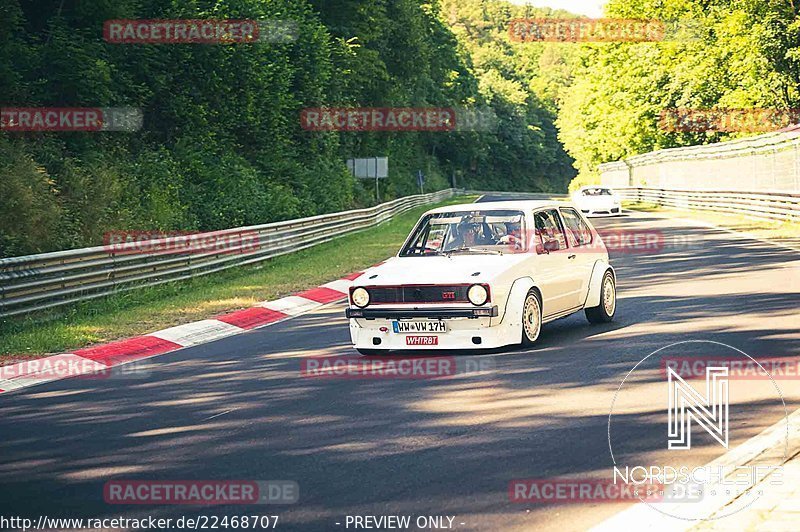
point(686, 404)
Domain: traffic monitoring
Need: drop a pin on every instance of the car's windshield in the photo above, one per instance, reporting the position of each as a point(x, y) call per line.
point(489, 231)
point(596, 192)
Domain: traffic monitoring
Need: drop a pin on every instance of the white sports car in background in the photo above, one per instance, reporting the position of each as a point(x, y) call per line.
point(595, 200)
point(483, 275)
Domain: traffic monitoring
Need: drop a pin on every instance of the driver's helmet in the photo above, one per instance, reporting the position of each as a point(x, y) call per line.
point(468, 231)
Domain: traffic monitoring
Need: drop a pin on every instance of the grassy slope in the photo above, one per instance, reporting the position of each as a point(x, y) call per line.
point(142, 311)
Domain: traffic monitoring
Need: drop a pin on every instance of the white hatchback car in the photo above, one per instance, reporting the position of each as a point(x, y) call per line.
point(483, 275)
point(595, 200)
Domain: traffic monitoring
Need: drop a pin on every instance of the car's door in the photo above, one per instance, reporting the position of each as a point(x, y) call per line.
point(583, 251)
point(555, 274)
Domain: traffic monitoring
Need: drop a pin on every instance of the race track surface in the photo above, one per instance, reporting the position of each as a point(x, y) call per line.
point(238, 408)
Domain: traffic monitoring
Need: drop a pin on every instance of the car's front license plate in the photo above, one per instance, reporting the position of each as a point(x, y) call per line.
point(437, 326)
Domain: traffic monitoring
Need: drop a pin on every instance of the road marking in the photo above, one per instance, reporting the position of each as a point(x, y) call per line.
point(39, 370)
point(191, 334)
point(198, 332)
point(341, 285)
point(7, 386)
point(220, 414)
point(123, 351)
point(322, 294)
point(291, 305)
point(250, 318)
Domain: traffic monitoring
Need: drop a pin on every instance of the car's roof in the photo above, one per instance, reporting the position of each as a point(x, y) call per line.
point(524, 205)
point(586, 187)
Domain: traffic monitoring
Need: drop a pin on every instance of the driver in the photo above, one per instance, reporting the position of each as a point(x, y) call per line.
point(474, 234)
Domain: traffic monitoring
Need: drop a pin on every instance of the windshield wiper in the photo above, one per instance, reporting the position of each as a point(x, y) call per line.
point(474, 250)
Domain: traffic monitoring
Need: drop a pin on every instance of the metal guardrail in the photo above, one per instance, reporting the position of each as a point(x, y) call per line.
point(47, 280)
point(782, 206)
point(518, 195)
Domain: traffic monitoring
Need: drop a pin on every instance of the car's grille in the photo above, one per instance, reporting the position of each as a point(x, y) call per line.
point(418, 294)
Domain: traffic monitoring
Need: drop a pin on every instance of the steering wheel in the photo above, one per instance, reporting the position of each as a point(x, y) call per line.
point(426, 249)
point(511, 240)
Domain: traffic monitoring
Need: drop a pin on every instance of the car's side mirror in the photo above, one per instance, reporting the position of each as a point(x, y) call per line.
point(547, 247)
point(551, 245)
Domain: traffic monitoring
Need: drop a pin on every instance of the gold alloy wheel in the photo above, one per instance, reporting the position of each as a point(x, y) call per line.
point(609, 295)
point(531, 318)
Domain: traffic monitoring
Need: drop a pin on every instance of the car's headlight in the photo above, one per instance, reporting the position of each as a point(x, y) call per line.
point(360, 297)
point(477, 294)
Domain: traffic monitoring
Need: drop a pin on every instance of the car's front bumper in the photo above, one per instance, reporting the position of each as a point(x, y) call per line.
point(602, 211)
point(465, 330)
point(423, 313)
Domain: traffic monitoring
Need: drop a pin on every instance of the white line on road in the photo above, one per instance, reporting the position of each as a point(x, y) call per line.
point(220, 414)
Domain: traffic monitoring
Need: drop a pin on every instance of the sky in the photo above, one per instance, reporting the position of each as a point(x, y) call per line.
point(591, 8)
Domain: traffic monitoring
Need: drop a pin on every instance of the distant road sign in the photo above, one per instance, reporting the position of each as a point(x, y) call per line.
point(369, 168)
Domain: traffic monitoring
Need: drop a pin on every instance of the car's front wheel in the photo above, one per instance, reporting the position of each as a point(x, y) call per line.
point(604, 312)
point(531, 318)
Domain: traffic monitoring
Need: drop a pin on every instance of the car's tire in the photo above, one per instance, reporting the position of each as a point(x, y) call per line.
point(531, 318)
point(604, 312)
point(372, 352)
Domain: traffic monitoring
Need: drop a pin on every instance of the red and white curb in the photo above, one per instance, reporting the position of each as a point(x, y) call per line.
point(92, 360)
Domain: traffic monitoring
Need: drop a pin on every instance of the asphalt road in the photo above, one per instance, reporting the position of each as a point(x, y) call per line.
point(238, 408)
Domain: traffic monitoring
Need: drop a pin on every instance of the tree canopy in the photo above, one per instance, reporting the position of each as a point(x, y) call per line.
point(222, 145)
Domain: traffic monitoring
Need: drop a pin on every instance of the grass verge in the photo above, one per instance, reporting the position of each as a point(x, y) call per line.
point(787, 233)
point(153, 308)
point(641, 206)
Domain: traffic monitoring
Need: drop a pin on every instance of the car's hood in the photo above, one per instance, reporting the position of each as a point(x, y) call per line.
point(439, 269)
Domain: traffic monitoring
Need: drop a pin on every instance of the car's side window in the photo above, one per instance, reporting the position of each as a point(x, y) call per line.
point(577, 230)
point(550, 234)
point(436, 236)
